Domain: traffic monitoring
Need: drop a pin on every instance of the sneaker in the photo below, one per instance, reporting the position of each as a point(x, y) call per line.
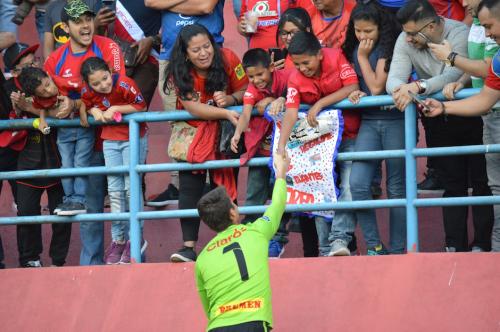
point(72, 209)
point(276, 249)
point(339, 248)
point(477, 249)
point(185, 254)
point(60, 207)
point(450, 249)
point(169, 196)
point(377, 250)
point(431, 181)
point(36, 263)
point(114, 253)
point(125, 258)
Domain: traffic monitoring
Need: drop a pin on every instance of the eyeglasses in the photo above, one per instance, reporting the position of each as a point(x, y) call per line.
point(419, 32)
point(34, 63)
point(286, 34)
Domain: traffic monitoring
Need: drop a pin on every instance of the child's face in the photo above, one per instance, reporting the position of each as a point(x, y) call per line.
point(287, 32)
point(101, 81)
point(47, 88)
point(366, 30)
point(308, 65)
point(260, 76)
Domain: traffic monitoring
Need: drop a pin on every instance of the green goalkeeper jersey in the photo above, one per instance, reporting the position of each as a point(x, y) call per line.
point(232, 271)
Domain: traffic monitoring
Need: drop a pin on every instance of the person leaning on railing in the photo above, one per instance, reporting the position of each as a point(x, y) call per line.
point(481, 49)
point(482, 103)
point(422, 27)
point(207, 79)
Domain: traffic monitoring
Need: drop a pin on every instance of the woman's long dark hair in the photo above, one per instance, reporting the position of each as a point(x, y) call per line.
point(298, 16)
point(388, 30)
point(178, 71)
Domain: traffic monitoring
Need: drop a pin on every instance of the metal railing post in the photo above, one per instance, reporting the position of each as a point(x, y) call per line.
point(411, 179)
point(135, 193)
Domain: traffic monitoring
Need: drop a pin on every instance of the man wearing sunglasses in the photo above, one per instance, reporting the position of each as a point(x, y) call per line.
point(421, 26)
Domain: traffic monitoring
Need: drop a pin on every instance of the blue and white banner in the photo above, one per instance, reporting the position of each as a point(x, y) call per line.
point(311, 177)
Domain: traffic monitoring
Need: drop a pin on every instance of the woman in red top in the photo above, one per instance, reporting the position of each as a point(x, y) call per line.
point(206, 79)
point(292, 21)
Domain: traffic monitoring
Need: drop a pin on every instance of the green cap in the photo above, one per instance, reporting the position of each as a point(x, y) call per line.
point(74, 9)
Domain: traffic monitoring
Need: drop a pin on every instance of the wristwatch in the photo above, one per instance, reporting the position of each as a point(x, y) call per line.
point(450, 60)
point(422, 86)
point(156, 41)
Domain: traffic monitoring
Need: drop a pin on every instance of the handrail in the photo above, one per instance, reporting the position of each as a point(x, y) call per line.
point(410, 153)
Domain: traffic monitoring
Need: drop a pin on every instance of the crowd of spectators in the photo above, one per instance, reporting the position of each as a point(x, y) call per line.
point(106, 59)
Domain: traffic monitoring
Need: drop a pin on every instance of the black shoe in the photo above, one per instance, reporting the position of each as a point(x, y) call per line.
point(60, 207)
point(72, 209)
point(185, 254)
point(169, 196)
point(431, 182)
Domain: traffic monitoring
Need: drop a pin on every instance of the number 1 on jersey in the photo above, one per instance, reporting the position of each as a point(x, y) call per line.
point(240, 259)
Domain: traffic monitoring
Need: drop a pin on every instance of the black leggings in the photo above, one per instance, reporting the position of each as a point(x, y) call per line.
point(29, 237)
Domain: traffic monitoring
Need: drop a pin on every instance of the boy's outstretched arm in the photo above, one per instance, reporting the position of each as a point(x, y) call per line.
point(268, 224)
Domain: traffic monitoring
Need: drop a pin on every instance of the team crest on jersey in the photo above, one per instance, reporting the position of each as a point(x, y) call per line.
point(138, 99)
point(124, 85)
point(262, 9)
point(106, 103)
point(67, 73)
point(84, 90)
point(239, 71)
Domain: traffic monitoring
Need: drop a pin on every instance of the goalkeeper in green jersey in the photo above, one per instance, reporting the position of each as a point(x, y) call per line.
point(232, 271)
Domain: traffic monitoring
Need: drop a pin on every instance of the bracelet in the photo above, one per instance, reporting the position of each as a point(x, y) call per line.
point(419, 87)
point(452, 57)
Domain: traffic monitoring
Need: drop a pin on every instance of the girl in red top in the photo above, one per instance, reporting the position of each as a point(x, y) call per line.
point(206, 79)
point(107, 96)
point(292, 21)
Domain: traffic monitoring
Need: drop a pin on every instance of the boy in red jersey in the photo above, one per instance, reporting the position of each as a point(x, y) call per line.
point(324, 77)
point(266, 85)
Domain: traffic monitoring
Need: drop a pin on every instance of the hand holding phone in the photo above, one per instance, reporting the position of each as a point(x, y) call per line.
point(421, 106)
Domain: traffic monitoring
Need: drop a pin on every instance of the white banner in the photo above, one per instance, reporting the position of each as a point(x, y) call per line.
point(311, 177)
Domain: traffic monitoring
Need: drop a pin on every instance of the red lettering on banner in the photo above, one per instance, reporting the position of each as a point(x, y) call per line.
point(309, 177)
point(309, 145)
point(299, 197)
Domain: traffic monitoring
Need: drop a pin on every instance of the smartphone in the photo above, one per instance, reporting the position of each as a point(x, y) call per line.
point(423, 108)
point(279, 54)
point(111, 4)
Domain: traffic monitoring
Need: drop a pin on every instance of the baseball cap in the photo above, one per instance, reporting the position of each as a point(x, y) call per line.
point(74, 9)
point(13, 54)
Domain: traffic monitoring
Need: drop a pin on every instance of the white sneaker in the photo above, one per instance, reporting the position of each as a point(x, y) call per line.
point(339, 248)
point(36, 263)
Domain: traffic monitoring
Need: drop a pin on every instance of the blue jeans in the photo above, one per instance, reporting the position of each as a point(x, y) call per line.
point(258, 188)
point(117, 153)
point(40, 24)
point(380, 135)
point(7, 11)
point(491, 135)
point(344, 221)
point(92, 233)
point(75, 146)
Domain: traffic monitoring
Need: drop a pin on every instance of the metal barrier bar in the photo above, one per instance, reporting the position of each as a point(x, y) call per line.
point(410, 153)
point(411, 179)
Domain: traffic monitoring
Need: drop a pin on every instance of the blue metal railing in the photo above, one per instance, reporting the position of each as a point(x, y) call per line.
point(410, 153)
